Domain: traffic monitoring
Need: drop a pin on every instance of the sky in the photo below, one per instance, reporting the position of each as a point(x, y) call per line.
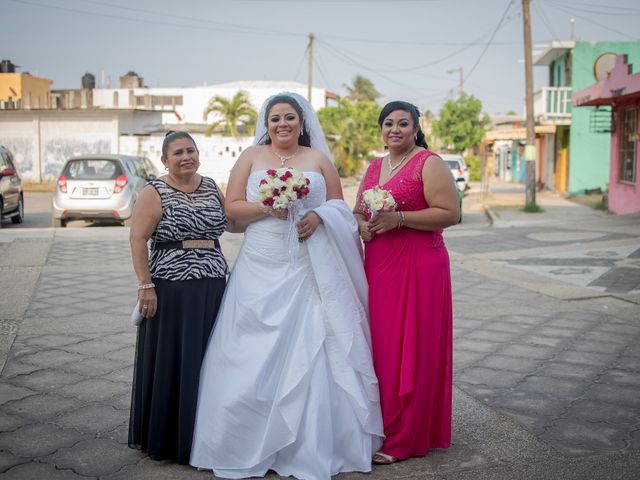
point(410, 49)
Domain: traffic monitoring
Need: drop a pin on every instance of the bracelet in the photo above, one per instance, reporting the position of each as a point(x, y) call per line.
point(146, 286)
point(401, 220)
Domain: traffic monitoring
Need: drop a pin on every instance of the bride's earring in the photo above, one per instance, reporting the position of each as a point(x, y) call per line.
point(302, 130)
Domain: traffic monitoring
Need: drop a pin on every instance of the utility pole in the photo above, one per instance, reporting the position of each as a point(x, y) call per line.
point(530, 149)
point(309, 65)
point(461, 83)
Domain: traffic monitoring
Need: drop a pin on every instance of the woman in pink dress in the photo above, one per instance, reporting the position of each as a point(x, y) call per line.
point(407, 267)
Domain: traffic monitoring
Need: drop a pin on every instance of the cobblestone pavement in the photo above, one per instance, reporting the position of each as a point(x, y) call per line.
point(546, 360)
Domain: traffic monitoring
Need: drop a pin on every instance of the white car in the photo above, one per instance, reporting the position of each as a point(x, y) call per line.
point(458, 168)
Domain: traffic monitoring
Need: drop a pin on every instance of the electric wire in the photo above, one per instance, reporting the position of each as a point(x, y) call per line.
point(606, 27)
point(598, 9)
point(495, 31)
point(224, 28)
point(545, 20)
point(302, 59)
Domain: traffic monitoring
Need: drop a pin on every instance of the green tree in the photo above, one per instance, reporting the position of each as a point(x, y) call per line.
point(362, 90)
point(351, 130)
point(460, 124)
point(233, 112)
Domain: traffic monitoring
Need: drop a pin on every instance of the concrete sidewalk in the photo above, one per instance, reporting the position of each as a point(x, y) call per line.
point(546, 350)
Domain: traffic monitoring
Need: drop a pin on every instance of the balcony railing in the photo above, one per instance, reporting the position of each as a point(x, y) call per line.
point(553, 105)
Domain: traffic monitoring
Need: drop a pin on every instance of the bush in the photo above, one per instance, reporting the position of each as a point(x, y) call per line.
point(532, 208)
point(475, 168)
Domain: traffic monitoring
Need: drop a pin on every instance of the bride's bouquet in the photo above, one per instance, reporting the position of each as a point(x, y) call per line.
point(283, 187)
point(376, 200)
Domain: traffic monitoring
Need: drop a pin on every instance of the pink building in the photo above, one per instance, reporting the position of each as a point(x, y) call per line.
point(620, 89)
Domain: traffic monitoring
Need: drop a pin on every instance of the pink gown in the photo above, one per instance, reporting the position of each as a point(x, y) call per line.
point(411, 320)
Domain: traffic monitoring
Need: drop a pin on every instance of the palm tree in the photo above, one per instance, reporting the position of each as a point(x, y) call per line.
point(233, 112)
point(362, 90)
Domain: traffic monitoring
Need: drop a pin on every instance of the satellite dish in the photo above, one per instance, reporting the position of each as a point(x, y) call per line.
point(603, 66)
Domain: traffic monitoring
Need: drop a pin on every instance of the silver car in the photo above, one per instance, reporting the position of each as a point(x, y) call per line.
point(100, 187)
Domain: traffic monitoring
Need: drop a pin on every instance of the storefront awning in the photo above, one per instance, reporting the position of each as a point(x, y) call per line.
point(516, 133)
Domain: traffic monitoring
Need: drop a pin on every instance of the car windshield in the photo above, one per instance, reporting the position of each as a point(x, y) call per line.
point(452, 164)
point(92, 169)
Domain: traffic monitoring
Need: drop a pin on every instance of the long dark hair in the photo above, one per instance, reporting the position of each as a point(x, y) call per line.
point(412, 110)
point(304, 139)
point(172, 135)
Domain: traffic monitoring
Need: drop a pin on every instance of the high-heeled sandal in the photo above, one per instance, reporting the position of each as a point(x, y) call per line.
point(381, 458)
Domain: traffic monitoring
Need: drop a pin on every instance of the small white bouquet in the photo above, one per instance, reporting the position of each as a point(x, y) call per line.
point(376, 200)
point(283, 187)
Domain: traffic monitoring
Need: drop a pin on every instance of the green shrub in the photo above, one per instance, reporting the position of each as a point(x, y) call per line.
point(532, 208)
point(475, 168)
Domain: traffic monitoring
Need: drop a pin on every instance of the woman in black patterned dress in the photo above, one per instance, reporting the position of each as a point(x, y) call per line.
point(180, 286)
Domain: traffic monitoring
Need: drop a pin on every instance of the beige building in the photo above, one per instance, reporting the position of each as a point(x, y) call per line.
point(23, 90)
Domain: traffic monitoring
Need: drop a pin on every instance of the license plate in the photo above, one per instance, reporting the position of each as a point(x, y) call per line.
point(90, 192)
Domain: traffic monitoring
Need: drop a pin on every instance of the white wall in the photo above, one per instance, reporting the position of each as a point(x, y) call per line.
point(215, 161)
point(41, 141)
point(196, 99)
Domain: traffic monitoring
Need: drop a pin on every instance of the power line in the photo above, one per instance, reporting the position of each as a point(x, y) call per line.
point(600, 9)
point(545, 20)
point(170, 15)
point(317, 65)
point(572, 13)
point(344, 1)
point(229, 28)
point(302, 59)
point(413, 42)
point(495, 31)
point(466, 46)
point(351, 61)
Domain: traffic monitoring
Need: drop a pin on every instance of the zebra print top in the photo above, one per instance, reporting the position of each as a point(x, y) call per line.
point(185, 216)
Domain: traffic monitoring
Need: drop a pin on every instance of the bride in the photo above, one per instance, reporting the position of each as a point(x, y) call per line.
point(287, 383)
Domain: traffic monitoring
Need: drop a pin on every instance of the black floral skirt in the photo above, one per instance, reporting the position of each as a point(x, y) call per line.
point(169, 352)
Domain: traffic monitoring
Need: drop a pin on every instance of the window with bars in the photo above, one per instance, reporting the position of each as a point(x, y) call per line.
point(628, 145)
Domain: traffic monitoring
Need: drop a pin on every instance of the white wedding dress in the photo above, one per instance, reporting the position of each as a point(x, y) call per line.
point(287, 383)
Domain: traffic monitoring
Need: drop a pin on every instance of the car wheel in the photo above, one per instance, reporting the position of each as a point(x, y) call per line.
point(19, 217)
point(58, 223)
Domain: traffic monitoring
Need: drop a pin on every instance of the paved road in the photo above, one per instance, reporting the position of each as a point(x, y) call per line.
point(546, 360)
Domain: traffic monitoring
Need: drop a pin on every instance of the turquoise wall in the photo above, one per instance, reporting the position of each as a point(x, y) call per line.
point(559, 79)
point(589, 153)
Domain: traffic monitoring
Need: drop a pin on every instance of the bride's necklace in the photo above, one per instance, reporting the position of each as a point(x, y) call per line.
point(392, 168)
point(284, 158)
